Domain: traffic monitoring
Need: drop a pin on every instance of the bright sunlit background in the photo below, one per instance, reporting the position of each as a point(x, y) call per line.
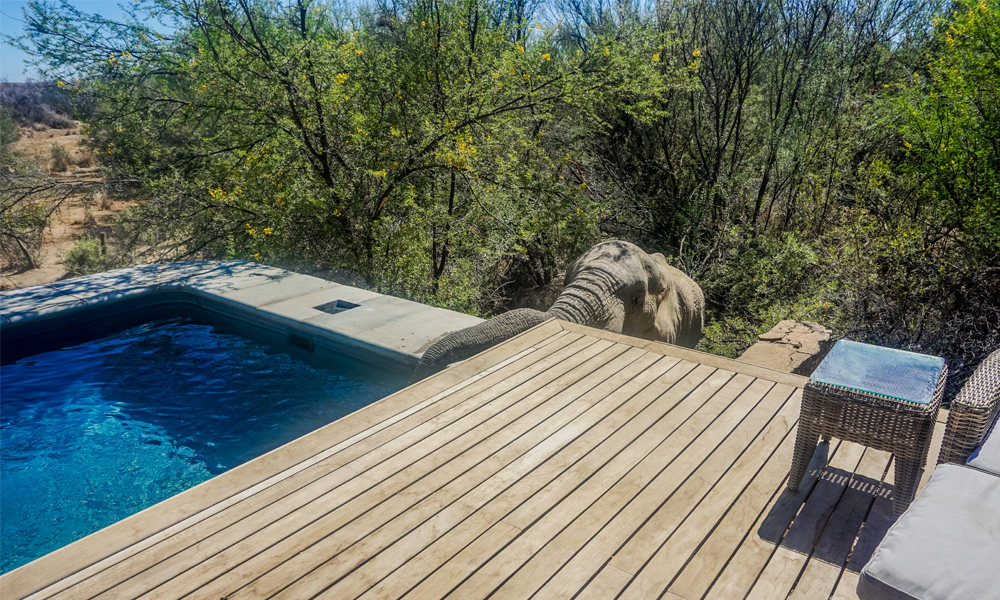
point(13, 62)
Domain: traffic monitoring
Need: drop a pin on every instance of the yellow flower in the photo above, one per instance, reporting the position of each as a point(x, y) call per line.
point(607, 52)
point(358, 52)
point(267, 231)
point(341, 78)
point(256, 256)
point(547, 56)
point(656, 58)
point(696, 53)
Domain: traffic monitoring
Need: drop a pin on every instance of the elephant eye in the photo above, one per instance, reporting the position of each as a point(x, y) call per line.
point(636, 300)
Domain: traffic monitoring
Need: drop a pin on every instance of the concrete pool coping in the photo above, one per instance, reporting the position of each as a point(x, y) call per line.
point(380, 329)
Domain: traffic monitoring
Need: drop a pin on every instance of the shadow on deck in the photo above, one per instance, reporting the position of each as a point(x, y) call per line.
point(566, 463)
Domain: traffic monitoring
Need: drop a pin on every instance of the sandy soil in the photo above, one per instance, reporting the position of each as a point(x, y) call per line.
point(70, 221)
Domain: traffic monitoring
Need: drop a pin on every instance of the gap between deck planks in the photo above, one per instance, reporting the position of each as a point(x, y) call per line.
point(568, 462)
point(113, 544)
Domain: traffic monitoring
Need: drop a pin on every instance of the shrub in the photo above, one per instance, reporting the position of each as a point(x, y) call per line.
point(9, 131)
point(60, 158)
point(86, 257)
point(33, 102)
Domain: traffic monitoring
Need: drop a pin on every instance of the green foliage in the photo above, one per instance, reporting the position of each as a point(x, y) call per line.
point(9, 131)
point(763, 280)
point(59, 152)
point(86, 257)
point(22, 222)
point(60, 158)
point(951, 124)
point(829, 161)
point(417, 151)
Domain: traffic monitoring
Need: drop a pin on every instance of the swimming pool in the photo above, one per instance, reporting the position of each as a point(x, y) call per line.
point(95, 431)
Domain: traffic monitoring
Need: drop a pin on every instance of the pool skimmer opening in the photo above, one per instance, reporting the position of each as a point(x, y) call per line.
point(337, 306)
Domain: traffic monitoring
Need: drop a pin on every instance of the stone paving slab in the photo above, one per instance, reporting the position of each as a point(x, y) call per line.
point(276, 291)
point(34, 302)
point(386, 325)
point(415, 335)
point(370, 314)
point(305, 306)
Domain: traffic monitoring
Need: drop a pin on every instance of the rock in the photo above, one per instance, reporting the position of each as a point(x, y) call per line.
point(791, 346)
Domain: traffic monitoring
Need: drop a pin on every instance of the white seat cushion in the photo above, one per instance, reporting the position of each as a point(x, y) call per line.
point(946, 546)
point(987, 457)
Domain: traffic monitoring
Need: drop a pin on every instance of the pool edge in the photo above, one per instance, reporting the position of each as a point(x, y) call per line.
point(387, 331)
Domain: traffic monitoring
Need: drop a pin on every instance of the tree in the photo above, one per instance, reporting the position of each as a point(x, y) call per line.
point(409, 145)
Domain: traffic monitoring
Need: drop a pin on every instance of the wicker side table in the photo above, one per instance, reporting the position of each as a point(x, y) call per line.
point(880, 397)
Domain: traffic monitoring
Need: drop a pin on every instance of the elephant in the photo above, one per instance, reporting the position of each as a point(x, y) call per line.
point(614, 286)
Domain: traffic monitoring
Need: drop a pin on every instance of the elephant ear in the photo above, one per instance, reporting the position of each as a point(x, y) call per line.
point(681, 313)
point(657, 274)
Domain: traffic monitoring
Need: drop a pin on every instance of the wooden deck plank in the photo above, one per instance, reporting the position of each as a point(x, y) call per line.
point(92, 554)
point(412, 457)
point(431, 515)
point(621, 414)
point(656, 447)
point(649, 519)
point(670, 402)
point(789, 558)
point(366, 467)
point(434, 550)
point(747, 434)
point(876, 525)
point(695, 356)
point(573, 463)
point(590, 451)
point(311, 482)
point(759, 542)
point(456, 566)
point(582, 544)
point(830, 554)
point(608, 582)
point(847, 586)
point(738, 519)
point(678, 529)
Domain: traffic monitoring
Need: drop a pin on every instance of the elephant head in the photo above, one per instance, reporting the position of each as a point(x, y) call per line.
point(614, 286)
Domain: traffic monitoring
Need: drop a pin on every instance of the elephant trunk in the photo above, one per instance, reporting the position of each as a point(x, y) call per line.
point(589, 300)
point(473, 340)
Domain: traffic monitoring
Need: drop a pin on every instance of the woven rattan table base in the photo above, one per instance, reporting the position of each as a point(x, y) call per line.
point(879, 422)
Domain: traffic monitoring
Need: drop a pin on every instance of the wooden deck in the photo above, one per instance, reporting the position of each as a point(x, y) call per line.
point(566, 463)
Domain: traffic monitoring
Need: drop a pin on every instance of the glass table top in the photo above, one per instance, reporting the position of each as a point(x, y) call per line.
point(898, 374)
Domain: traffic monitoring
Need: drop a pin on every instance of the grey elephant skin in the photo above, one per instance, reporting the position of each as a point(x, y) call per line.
point(614, 286)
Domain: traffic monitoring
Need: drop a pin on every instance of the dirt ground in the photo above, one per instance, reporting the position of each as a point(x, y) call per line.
point(69, 222)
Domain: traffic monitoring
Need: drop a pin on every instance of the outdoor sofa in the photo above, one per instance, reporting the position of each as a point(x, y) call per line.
point(947, 544)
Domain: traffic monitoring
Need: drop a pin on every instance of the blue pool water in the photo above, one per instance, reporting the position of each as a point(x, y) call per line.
point(96, 432)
